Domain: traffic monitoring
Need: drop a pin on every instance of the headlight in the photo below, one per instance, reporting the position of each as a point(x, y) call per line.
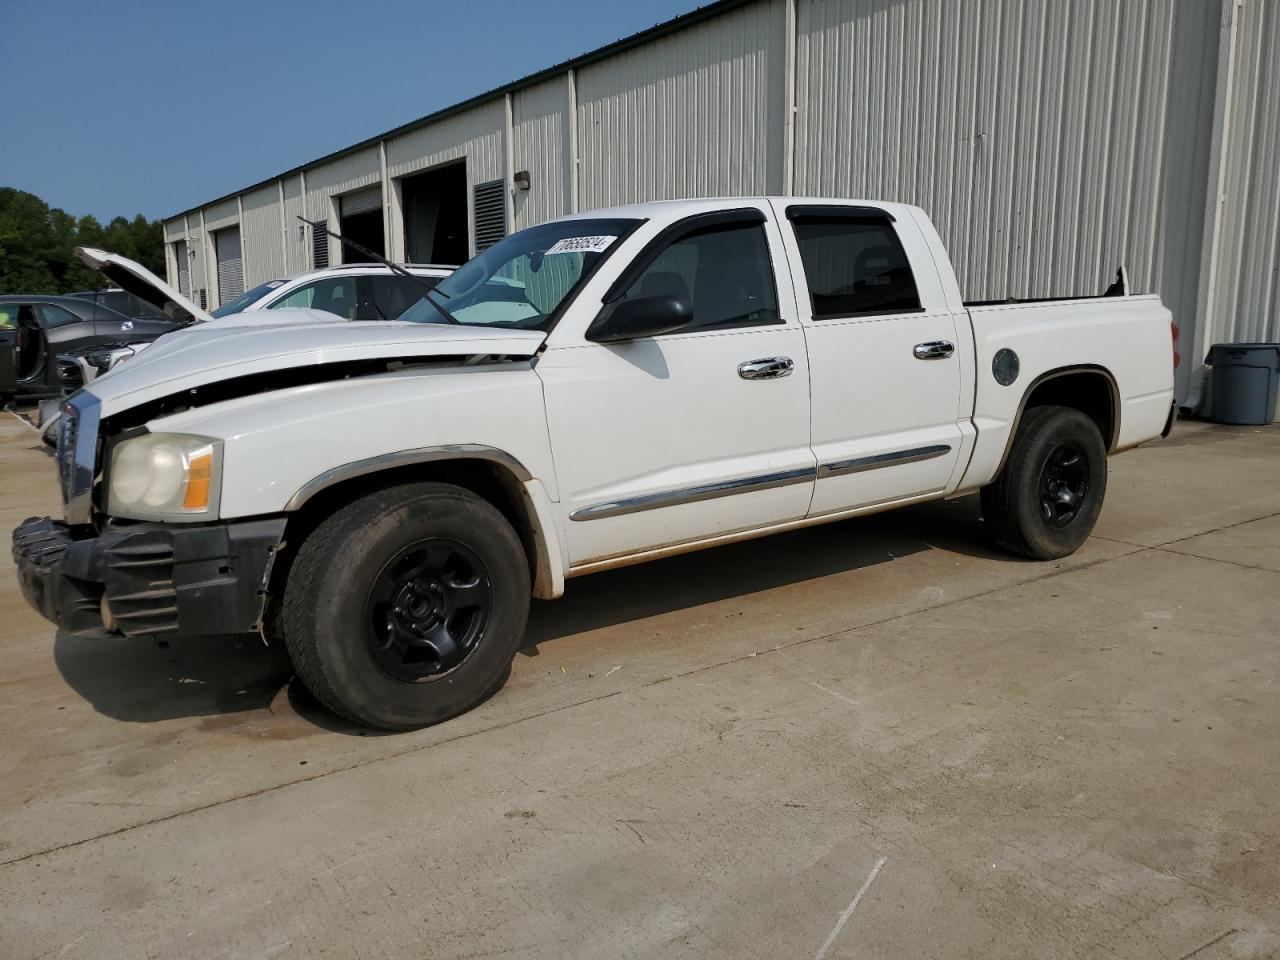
point(165, 476)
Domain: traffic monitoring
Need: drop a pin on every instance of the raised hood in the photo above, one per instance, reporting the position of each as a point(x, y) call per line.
point(191, 358)
point(142, 283)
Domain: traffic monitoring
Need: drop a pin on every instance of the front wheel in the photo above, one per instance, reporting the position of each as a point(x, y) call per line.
point(406, 607)
point(1047, 497)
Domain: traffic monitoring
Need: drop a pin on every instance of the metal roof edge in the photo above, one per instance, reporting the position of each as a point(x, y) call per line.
point(657, 32)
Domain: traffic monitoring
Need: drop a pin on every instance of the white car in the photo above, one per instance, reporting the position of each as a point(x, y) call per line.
point(353, 291)
point(360, 291)
point(599, 390)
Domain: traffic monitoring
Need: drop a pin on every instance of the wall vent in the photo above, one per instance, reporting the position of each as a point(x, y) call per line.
point(491, 213)
point(320, 245)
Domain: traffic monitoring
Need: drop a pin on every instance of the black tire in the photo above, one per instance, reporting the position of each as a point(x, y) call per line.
point(343, 634)
point(1044, 504)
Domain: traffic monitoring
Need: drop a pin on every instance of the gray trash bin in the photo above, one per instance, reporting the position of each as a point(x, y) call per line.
point(1245, 376)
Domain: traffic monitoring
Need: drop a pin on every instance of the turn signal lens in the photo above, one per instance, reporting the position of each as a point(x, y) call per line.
point(199, 477)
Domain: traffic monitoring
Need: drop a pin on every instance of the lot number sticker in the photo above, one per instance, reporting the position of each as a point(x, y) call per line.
point(581, 245)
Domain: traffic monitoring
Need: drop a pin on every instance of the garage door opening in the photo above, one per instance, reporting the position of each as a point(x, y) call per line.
point(435, 215)
point(360, 216)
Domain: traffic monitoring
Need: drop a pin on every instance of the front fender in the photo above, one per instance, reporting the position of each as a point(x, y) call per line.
point(278, 445)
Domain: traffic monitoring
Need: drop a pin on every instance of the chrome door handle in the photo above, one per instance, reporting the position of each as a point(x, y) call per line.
point(768, 368)
point(934, 350)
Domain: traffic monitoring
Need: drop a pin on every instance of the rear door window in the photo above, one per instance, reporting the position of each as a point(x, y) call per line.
point(393, 295)
point(52, 315)
point(854, 266)
point(336, 295)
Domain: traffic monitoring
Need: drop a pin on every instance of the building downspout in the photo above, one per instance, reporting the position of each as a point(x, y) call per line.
point(1218, 170)
point(284, 232)
point(305, 233)
point(789, 120)
point(244, 260)
point(572, 76)
point(509, 135)
point(387, 247)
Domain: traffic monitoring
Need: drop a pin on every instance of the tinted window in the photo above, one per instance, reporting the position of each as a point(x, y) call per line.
point(724, 272)
point(522, 280)
point(855, 266)
point(394, 295)
point(129, 305)
point(246, 299)
point(336, 295)
point(52, 315)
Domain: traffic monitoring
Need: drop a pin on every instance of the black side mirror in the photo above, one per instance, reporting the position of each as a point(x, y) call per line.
point(637, 317)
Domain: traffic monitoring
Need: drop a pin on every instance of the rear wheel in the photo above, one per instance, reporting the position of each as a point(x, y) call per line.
point(406, 607)
point(1047, 498)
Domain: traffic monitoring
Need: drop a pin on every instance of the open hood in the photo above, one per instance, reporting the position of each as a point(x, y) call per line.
point(201, 355)
point(143, 284)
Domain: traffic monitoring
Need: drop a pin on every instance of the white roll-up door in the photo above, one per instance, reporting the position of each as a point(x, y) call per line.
point(226, 247)
point(184, 267)
point(361, 201)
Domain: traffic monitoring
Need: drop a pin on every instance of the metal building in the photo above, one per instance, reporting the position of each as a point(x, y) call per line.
point(1051, 141)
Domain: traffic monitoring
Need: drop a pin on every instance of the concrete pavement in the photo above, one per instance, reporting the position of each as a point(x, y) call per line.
point(708, 756)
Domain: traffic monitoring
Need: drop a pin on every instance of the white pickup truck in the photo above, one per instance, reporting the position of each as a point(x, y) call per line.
point(598, 390)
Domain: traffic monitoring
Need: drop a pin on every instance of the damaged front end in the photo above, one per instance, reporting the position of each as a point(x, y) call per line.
point(148, 579)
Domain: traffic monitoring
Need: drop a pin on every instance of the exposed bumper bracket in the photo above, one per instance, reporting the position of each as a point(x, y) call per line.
point(156, 579)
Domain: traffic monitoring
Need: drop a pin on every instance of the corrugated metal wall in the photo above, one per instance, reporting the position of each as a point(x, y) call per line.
point(221, 215)
point(540, 144)
point(296, 244)
point(1245, 301)
point(1037, 134)
point(698, 113)
point(260, 233)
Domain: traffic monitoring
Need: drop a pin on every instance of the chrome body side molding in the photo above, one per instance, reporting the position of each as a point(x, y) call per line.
point(838, 468)
point(727, 488)
point(706, 491)
point(401, 458)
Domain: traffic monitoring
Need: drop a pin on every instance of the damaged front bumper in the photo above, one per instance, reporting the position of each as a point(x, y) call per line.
point(148, 579)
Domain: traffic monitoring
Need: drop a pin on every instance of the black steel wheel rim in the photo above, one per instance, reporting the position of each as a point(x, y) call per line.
point(1064, 484)
point(427, 609)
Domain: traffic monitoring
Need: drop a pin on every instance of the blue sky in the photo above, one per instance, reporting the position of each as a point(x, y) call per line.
point(120, 108)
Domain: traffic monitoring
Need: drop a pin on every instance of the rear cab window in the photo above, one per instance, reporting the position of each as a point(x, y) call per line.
point(854, 262)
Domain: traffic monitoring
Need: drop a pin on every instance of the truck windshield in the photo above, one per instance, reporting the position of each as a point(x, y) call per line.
point(245, 299)
point(523, 279)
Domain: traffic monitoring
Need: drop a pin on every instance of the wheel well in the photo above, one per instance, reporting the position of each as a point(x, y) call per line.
point(485, 478)
point(1092, 392)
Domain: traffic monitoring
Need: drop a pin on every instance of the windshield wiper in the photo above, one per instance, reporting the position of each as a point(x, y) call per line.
point(393, 267)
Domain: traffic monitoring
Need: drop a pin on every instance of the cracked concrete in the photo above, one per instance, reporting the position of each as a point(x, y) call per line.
point(707, 756)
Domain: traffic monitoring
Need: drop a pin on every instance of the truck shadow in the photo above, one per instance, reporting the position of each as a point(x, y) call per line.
point(692, 579)
point(140, 680)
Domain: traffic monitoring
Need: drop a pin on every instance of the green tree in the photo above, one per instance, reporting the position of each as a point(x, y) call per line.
point(37, 244)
